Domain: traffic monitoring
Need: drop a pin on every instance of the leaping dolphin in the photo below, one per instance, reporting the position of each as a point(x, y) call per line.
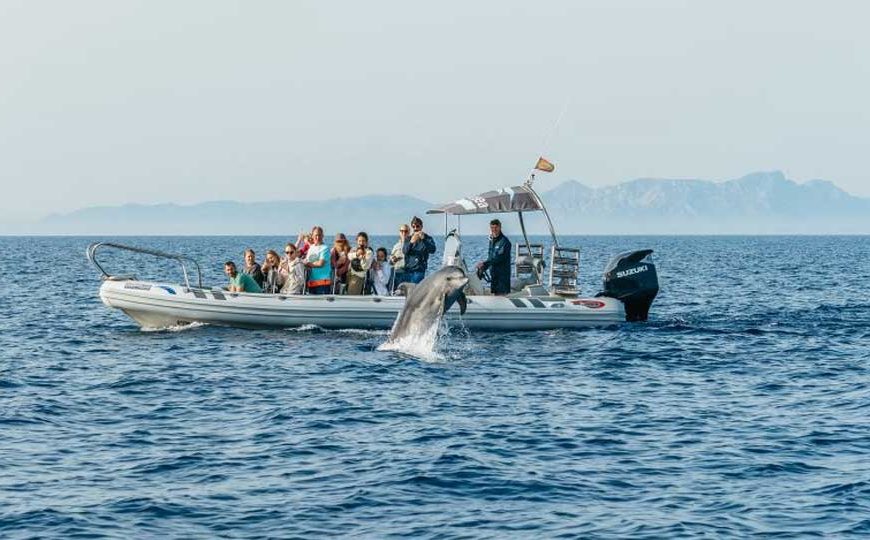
point(428, 301)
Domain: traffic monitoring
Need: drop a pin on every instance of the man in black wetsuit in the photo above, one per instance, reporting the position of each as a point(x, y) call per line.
point(499, 260)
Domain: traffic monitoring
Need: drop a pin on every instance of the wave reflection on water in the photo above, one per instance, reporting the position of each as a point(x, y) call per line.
point(739, 409)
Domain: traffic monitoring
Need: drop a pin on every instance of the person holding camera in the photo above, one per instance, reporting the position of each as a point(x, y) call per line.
point(360, 262)
point(397, 257)
point(382, 271)
point(340, 259)
point(416, 250)
point(499, 260)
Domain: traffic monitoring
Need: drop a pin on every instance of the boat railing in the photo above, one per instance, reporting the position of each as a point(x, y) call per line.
point(564, 270)
point(181, 259)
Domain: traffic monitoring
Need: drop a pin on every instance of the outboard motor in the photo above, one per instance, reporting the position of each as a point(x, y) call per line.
point(630, 278)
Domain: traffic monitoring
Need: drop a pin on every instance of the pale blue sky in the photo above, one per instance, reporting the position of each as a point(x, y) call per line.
point(108, 102)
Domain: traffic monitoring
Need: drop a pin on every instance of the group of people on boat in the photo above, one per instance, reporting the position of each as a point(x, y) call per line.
point(311, 267)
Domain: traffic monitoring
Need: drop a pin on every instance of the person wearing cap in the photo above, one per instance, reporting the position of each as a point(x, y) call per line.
point(416, 250)
point(499, 260)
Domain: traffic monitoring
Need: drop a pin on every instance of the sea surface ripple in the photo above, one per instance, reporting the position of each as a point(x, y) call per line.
point(740, 409)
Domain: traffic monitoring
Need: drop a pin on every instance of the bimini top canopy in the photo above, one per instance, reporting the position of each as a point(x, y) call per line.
point(509, 199)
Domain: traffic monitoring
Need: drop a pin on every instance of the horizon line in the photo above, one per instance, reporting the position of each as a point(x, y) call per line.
point(346, 198)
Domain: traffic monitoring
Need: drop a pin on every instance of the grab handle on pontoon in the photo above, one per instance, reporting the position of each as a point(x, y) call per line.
point(92, 256)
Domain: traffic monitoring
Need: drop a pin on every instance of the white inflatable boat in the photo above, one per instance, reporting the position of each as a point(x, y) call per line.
point(162, 305)
point(630, 285)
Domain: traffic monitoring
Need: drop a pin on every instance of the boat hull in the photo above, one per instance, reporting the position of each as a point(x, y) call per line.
point(160, 305)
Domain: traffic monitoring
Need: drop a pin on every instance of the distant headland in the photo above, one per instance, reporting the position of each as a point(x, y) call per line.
point(758, 203)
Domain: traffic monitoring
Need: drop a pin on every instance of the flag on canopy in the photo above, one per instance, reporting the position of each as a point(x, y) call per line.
point(544, 165)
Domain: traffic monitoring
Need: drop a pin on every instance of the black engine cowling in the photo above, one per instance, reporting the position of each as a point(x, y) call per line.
point(631, 278)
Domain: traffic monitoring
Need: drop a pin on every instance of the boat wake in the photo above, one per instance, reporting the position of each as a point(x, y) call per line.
point(315, 329)
point(362, 332)
point(174, 328)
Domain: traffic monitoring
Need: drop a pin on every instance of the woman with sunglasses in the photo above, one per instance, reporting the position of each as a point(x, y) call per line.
point(397, 257)
point(294, 269)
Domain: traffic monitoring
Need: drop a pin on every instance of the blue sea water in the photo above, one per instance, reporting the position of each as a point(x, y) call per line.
point(741, 408)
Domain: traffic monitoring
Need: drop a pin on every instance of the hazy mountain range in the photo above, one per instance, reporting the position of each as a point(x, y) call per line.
point(759, 203)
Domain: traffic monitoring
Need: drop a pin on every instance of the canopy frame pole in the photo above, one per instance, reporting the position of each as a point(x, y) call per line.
point(549, 224)
point(544, 209)
point(529, 248)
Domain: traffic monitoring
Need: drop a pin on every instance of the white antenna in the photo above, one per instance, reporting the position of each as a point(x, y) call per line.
point(549, 135)
point(546, 142)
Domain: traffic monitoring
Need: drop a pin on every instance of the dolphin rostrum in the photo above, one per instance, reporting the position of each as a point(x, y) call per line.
point(426, 302)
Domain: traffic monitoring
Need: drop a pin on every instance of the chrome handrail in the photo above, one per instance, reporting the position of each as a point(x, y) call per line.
point(91, 254)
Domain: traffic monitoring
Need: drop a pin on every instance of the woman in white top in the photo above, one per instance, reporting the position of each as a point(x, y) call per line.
point(294, 269)
point(381, 273)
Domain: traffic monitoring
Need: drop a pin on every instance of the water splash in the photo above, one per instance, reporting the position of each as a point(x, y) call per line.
point(419, 343)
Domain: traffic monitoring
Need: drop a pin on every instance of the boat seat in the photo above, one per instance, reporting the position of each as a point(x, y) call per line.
point(528, 265)
point(520, 283)
point(533, 290)
point(119, 278)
